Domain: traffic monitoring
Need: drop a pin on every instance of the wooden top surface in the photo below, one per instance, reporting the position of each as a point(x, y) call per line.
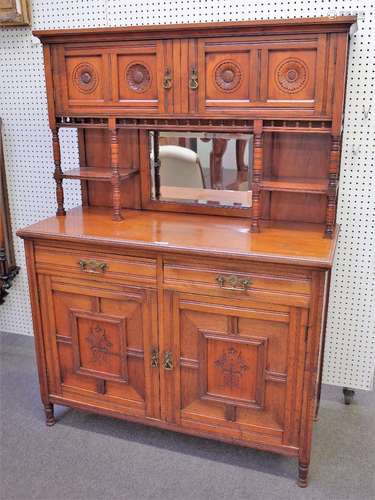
point(293, 243)
point(259, 26)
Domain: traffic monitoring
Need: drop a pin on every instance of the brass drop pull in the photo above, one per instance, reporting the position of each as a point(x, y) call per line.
point(233, 282)
point(92, 266)
point(193, 81)
point(168, 361)
point(154, 357)
point(167, 80)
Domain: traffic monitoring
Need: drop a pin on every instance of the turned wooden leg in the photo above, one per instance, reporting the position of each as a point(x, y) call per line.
point(303, 471)
point(50, 418)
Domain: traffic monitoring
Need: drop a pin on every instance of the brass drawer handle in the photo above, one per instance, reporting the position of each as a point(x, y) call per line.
point(154, 357)
point(167, 80)
point(233, 282)
point(168, 361)
point(92, 266)
point(193, 81)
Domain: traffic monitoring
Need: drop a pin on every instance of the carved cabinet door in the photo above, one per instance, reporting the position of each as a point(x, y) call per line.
point(252, 73)
point(99, 341)
point(232, 367)
point(111, 77)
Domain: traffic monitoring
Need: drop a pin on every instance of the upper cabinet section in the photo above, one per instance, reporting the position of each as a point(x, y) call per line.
point(267, 69)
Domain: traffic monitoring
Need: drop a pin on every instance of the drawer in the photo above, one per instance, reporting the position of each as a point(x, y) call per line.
point(267, 282)
point(95, 265)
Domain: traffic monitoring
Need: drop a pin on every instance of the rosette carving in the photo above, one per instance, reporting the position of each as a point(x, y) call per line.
point(291, 75)
point(227, 76)
point(85, 77)
point(138, 77)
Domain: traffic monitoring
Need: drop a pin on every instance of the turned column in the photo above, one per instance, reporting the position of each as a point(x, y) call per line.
point(334, 166)
point(58, 172)
point(257, 175)
point(115, 178)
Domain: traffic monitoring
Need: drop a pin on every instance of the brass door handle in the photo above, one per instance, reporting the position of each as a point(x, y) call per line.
point(233, 282)
point(154, 357)
point(92, 266)
point(168, 361)
point(193, 81)
point(167, 80)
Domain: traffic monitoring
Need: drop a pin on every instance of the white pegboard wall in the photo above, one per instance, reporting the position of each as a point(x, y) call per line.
point(350, 345)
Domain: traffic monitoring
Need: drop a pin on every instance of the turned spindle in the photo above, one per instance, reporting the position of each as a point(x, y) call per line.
point(156, 165)
point(256, 182)
point(334, 166)
point(115, 179)
point(58, 174)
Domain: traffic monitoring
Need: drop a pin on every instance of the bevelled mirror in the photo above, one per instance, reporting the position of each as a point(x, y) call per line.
point(201, 168)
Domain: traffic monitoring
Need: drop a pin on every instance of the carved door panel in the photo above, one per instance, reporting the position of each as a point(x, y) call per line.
point(293, 75)
point(103, 78)
point(99, 343)
point(137, 72)
point(82, 81)
point(235, 367)
point(227, 76)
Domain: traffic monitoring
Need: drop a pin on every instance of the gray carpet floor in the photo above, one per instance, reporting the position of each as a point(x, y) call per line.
point(89, 457)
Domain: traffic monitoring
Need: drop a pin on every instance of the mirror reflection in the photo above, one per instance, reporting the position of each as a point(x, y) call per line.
point(211, 169)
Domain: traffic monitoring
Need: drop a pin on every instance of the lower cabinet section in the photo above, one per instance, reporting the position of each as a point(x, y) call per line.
point(228, 364)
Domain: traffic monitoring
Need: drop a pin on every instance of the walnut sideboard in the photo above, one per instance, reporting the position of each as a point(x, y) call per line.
point(190, 290)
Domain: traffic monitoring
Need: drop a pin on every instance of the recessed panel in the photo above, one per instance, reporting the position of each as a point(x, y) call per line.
point(291, 74)
point(232, 370)
point(99, 345)
point(227, 76)
point(137, 79)
point(85, 77)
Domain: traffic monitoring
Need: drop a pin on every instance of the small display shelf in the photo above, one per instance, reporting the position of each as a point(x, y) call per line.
point(97, 174)
point(295, 185)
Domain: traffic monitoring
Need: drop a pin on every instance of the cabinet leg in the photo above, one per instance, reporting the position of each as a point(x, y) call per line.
point(50, 418)
point(303, 471)
point(348, 395)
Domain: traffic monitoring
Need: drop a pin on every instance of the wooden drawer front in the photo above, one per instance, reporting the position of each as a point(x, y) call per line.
point(96, 266)
point(279, 287)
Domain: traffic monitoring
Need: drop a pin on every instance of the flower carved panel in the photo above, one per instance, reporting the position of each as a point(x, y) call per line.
point(291, 75)
point(85, 78)
point(227, 76)
point(232, 367)
point(99, 344)
point(138, 77)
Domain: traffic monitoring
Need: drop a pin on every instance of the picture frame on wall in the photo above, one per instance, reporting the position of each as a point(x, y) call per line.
point(14, 13)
